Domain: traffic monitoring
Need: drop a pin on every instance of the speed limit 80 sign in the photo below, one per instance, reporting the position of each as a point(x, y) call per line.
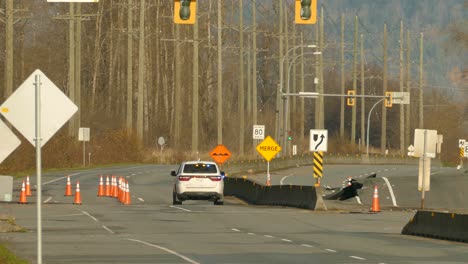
point(258, 132)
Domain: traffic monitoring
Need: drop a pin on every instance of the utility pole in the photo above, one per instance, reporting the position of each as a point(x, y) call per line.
point(220, 76)
point(342, 63)
point(383, 140)
point(408, 88)
point(317, 78)
point(74, 61)
point(421, 77)
point(9, 48)
point(402, 109)
point(353, 117)
point(130, 67)
point(254, 66)
point(141, 71)
point(241, 80)
point(363, 92)
point(76, 119)
point(321, 89)
point(177, 90)
point(195, 90)
point(302, 103)
point(281, 72)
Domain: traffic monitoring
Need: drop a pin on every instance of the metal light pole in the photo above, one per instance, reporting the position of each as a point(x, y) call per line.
point(286, 104)
point(368, 125)
point(281, 88)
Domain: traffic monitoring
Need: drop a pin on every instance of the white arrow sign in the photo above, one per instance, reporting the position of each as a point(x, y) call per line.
point(318, 140)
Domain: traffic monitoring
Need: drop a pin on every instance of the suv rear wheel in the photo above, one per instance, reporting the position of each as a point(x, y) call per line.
point(174, 199)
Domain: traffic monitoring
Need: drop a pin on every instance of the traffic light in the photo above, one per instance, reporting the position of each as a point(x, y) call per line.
point(351, 100)
point(289, 135)
point(185, 11)
point(388, 99)
point(306, 12)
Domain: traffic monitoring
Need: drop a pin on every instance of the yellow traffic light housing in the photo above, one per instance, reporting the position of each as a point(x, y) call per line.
point(185, 11)
point(306, 12)
point(351, 99)
point(388, 99)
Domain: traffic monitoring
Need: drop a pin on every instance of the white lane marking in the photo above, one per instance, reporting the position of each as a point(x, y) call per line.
point(233, 229)
point(61, 178)
point(141, 199)
point(390, 189)
point(48, 199)
point(180, 208)
point(330, 250)
point(282, 179)
point(268, 236)
point(106, 228)
point(86, 213)
point(358, 200)
point(286, 240)
point(167, 250)
point(251, 234)
point(355, 257)
point(306, 245)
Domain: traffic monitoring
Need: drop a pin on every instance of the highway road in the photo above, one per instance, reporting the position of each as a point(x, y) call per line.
point(152, 230)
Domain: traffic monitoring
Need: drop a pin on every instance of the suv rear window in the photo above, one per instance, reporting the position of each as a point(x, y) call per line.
point(200, 168)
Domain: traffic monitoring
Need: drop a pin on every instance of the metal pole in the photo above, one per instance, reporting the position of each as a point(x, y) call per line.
point(38, 139)
point(268, 172)
point(280, 92)
point(368, 125)
point(286, 104)
point(423, 191)
point(84, 154)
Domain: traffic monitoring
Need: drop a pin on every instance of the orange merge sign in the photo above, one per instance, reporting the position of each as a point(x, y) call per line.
point(268, 148)
point(220, 154)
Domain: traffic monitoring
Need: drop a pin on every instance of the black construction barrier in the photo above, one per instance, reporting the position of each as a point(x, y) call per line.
point(285, 195)
point(439, 225)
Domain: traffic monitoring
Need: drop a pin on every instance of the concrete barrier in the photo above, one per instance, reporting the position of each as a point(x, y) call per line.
point(285, 195)
point(439, 225)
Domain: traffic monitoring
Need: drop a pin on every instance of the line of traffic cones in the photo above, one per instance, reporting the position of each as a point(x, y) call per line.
point(116, 188)
point(375, 201)
point(25, 191)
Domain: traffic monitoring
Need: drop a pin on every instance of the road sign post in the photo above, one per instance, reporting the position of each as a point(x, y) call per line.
point(268, 148)
point(83, 135)
point(38, 109)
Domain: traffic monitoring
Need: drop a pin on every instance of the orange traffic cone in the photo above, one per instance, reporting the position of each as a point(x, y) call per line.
point(375, 200)
point(124, 193)
point(120, 195)
point(77, 194)
point(68, 189)
point(107, 186)
point(23, 194)
point(114, 191)
point(127, 200)
point(101, 188)
point(28, 187)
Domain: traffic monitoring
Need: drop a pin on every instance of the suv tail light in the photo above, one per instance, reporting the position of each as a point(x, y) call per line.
point(215, 178)
point(184, 178)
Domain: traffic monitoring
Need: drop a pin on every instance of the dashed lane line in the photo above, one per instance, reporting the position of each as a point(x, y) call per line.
point(166, 249)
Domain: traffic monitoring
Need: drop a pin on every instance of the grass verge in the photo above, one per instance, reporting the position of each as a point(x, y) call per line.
point(7, 257)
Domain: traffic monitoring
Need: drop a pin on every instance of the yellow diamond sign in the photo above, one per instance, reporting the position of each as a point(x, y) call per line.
point(268, 148)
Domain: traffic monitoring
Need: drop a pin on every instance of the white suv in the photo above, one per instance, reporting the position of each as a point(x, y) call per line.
point(198, 180)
